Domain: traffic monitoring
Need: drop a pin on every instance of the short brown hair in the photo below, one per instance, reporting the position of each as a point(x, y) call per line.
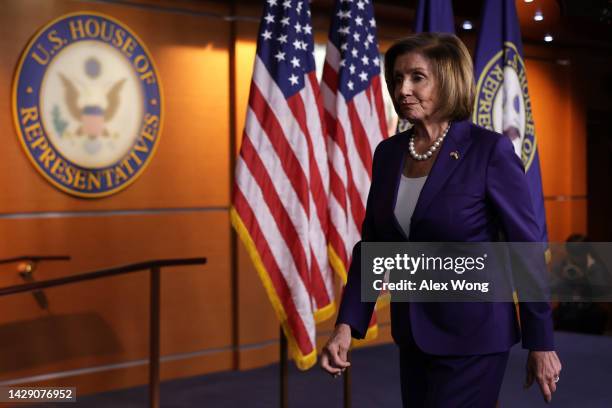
point(452, 67)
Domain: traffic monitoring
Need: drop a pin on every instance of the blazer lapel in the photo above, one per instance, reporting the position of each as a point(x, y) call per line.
point(452, 153)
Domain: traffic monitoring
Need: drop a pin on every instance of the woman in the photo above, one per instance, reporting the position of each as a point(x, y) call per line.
point(446, 180)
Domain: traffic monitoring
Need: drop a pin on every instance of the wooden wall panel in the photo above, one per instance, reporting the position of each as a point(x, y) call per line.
point(551, 117)
point(105, 321)
point(190, 167)
point(561, 138)
point(577, 140)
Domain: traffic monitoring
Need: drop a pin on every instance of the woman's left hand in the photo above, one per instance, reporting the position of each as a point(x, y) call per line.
point(545, 367)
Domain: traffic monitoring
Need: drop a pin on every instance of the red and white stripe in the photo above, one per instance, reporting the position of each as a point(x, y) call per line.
point(355, 128)
point(281, 190)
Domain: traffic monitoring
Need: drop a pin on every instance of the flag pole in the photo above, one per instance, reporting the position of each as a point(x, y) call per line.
point(284, 400)
point(233, 139)
point(347, 383)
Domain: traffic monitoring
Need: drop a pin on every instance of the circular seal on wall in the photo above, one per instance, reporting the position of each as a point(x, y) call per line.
point(502, 102)
point(87, 104)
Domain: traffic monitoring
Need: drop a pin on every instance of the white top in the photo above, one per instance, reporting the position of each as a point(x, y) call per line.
point(407, 196)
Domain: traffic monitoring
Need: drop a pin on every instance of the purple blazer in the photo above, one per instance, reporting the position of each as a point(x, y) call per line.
point(470, 199)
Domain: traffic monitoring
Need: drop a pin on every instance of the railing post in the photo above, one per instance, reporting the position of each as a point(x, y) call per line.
point(154, 317)
point(284, 397)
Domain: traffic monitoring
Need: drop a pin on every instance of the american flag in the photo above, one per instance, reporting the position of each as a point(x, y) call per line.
point(282, 177)
point(355, 119)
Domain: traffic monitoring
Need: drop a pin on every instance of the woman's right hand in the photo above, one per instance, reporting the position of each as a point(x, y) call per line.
point(334, 355)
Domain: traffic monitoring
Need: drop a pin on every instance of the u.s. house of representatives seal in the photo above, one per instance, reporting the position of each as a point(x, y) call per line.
point(87, 104)
point(503, 104)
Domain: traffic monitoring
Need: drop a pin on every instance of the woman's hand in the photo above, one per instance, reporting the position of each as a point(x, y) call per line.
point(545, 367)
point(334, 355)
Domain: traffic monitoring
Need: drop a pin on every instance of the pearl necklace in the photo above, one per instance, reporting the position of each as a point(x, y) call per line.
point(432, 148)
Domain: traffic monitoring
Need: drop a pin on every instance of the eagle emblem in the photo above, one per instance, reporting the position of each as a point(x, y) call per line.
point(92, 117)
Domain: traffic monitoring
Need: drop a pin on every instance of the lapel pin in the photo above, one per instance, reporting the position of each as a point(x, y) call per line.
point(455, 155)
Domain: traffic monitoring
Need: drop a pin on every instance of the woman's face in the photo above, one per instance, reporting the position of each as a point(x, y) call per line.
point(414, 88)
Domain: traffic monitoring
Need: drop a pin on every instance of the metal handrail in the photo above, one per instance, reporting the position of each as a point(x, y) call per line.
point(35, 258)
point(102, 273)
point(154, 327)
